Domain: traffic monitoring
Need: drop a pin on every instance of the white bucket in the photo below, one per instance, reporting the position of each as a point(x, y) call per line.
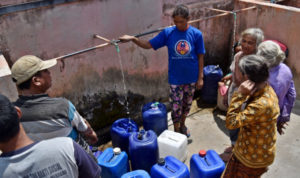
point(172, 144)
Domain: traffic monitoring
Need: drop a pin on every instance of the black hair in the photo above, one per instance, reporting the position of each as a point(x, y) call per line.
point(236, 44)
point(255, 68)
point(182, 11)
point(26, 84)
point(9, 120)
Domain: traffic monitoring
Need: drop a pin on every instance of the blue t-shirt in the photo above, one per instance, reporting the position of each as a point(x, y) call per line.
point(183, 48)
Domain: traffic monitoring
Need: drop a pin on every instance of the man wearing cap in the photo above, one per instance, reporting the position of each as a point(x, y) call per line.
point(22, 157)
point(45, 117)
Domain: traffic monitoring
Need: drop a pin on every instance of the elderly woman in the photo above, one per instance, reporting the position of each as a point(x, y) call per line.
point(250, 39)
point(254, 110)
point(281, 79)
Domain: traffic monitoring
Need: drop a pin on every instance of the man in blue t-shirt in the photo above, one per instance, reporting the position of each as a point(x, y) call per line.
point(22, 157)
point(186, 51)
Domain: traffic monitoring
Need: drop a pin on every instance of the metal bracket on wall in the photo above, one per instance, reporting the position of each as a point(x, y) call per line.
point(31, 5)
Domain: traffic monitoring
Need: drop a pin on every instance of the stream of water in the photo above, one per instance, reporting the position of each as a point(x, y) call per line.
point(123, 80)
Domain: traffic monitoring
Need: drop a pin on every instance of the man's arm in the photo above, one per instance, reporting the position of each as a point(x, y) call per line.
point(141, 43)
point(90, 134)
point(87, 167)
point(200, 83)
point(81, 124)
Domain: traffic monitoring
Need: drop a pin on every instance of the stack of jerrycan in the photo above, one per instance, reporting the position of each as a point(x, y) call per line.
point(169, 167)
point(172, 144)
point(120, 131)
point(212, 75)
point(143, 150)
point(113, 162)
point(136, 174)
point(206, 165)
point(155, 117)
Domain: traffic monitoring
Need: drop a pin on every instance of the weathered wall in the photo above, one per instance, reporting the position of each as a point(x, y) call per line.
point(279, 23)
point(293, 3)
point(93, 80)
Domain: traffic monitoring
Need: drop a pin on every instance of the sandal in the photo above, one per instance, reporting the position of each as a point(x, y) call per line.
point(184, 130)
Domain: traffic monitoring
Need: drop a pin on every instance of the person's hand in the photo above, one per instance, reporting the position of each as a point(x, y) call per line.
point(92, 138)
point(126, 38)
point(281, 126)
point(90, 134)
point(199, 84)
point(247, 88)
point(226, 78)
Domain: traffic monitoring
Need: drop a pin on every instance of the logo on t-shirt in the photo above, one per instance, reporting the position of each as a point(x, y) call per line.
point(182, 47)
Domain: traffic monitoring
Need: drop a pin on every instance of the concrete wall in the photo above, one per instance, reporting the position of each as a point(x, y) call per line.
point(278, 22)
point(93, 80)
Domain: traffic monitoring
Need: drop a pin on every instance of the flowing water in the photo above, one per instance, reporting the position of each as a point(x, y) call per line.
point(123, 79)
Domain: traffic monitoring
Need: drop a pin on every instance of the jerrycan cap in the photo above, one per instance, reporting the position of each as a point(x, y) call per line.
point(161, 161)
point(202, 153)
point(140, 134)
point(154, 105)
point(117, 151)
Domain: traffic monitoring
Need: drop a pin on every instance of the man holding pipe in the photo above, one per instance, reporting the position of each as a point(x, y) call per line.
point(186, 52)
point(45, 117)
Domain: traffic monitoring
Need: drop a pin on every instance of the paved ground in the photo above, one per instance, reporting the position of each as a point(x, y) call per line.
point(208, 132)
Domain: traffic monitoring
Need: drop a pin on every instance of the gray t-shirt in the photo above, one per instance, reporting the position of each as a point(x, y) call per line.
point(53, 158)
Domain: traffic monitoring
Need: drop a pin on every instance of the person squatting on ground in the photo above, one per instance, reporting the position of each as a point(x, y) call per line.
point(24, 158)
point(250, 39)
point(281, 80)
point(254, 110)
point(186, 52)
point(45, 117)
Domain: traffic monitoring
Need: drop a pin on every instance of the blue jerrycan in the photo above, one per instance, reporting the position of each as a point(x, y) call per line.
point(113, 162)
point(136, 174)
point(212, 75)
point(155, 117)
point(120, 131)
point(143, 150)
point(206, 165)
point(170, 167)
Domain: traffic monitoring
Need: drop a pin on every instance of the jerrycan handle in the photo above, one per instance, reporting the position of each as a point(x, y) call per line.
point(202, 153)
point(162, 162)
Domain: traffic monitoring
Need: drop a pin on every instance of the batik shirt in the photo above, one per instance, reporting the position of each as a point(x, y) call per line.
point(256, 117)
